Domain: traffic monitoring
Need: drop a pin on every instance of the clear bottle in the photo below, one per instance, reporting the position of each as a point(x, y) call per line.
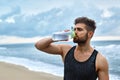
point(63, 35)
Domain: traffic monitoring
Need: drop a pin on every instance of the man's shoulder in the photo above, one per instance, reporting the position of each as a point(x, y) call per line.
point(65, 46)
point(100, 56)
point(101, 60)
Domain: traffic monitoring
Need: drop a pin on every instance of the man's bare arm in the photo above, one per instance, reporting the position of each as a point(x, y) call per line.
point(47, 45)
point(103, 68)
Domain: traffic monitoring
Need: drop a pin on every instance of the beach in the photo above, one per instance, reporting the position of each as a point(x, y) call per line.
point(25, 62)
point(15, 72)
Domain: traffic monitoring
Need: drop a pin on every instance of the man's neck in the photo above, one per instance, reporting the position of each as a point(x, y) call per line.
point(83, 48)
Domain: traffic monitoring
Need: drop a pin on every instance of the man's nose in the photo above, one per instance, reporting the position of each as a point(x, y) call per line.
point(75, 31)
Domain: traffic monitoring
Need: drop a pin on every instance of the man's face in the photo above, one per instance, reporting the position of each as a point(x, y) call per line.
point(81, 33)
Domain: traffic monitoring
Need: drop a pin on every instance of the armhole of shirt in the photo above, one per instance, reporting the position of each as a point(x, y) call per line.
point(71, 50)
point(96, 53)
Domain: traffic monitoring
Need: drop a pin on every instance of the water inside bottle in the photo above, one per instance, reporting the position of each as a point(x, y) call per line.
point(61, 36)
point(64, 35)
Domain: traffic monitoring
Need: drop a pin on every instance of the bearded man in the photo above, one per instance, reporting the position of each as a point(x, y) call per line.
point(82, 61)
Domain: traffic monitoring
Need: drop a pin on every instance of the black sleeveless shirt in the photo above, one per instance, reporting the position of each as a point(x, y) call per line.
point(75, 70)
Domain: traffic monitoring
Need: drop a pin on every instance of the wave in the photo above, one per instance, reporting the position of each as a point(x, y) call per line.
point(3, 48)
point(114, 77)
point(42, 67)
point(26, 55)
point(37, 66)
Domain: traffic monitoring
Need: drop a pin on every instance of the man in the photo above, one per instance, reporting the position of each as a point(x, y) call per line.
point(81, 62)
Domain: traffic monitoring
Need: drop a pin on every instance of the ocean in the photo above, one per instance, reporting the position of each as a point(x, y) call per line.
point(28, 56)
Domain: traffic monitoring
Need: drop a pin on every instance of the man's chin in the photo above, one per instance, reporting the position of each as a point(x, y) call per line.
point(76, 41)
point(79, 42)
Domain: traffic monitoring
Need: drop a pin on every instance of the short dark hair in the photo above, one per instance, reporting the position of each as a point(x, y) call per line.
point(90, 24)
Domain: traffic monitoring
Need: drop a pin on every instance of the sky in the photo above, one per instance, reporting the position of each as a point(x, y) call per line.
point(35, 18)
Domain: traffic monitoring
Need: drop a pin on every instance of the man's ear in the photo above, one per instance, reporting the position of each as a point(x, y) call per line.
point(90, 34)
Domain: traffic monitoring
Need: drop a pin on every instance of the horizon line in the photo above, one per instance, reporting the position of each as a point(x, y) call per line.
point(17, 39)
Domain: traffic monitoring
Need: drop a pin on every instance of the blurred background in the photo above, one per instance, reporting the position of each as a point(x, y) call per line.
point(30, 19)
point(23, 22)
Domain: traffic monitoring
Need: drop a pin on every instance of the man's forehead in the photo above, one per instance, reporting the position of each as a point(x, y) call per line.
point(80, 25)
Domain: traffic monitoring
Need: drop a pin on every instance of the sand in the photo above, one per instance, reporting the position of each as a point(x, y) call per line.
point(15, 72)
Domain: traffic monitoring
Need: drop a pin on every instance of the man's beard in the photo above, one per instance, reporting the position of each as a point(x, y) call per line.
point(82, 40)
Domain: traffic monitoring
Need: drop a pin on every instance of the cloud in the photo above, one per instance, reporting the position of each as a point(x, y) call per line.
point(106, 4)
point(14, 11)
point(107, 14)
point(10, 20)
point(44, 17)
point(35, 7)
point(0, 20)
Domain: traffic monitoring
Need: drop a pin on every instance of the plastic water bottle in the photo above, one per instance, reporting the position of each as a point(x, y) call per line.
point(63, 35)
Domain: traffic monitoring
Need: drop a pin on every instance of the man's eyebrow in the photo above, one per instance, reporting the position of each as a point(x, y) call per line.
point(77, 28)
